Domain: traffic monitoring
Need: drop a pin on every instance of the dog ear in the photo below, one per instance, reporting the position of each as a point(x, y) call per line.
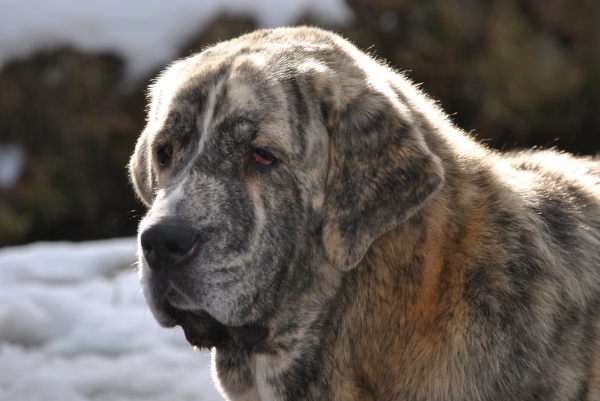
point(380, 172)
point(140, 171)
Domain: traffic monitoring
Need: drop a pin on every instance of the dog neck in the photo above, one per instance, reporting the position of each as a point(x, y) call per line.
point(407, 292)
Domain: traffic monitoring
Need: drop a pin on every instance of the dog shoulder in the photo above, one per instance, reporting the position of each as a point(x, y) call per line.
point(503, 261)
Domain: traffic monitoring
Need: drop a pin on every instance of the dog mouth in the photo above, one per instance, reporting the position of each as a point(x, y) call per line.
point(200, 328)
point(204, 331)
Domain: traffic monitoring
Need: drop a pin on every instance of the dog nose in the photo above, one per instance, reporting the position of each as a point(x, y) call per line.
point(167, 244)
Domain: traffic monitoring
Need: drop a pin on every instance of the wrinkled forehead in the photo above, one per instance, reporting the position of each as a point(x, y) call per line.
point(201, 93)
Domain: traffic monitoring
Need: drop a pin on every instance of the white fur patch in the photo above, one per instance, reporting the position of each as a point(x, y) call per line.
point(209, 113)
point(176, 195)
point(266, 391)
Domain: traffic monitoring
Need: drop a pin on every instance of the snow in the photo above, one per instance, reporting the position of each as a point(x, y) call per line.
point(147, 33)
point(74, 325)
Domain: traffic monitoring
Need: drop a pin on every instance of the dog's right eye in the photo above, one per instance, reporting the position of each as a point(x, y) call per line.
point(263, 157)
point(164, 155)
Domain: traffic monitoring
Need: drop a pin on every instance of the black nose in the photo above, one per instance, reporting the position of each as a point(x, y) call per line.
point(166, 244)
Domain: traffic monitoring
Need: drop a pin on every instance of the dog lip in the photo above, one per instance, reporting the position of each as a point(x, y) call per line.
point(204, 331)
point(201, 329)
point(177, 298)
point(163, 317)
point(250, 335)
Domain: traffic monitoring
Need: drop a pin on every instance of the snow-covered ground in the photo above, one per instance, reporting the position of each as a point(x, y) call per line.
point(146, 32)
point(74, 326)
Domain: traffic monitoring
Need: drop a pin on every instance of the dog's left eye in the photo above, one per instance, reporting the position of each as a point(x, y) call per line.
point(263, 157)
point(165, 154)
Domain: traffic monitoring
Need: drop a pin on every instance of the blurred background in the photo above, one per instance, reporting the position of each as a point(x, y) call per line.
point(74, 325)
point(73, 76)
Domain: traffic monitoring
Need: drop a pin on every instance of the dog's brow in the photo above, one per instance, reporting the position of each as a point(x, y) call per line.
point(236, 122)
point(179, 125)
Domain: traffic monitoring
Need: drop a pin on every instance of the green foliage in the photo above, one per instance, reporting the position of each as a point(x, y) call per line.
point(67, 110)
point(519, 73)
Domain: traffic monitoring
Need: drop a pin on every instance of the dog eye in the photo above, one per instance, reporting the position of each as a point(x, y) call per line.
point(263, 157)
point(164, 155)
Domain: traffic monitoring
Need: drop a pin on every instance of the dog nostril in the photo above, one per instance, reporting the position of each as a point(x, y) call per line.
point(146, 246)
point(173, 247)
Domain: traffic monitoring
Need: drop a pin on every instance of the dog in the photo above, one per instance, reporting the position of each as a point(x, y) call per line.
point(323, 227)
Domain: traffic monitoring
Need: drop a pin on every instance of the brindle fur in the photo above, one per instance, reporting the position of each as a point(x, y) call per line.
point(387, 255)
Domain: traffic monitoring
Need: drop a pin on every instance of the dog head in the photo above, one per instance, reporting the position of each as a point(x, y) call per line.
point(264, 159)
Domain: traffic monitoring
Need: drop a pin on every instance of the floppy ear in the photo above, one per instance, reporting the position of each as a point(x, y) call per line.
point(140, 171)
point(380, 172)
